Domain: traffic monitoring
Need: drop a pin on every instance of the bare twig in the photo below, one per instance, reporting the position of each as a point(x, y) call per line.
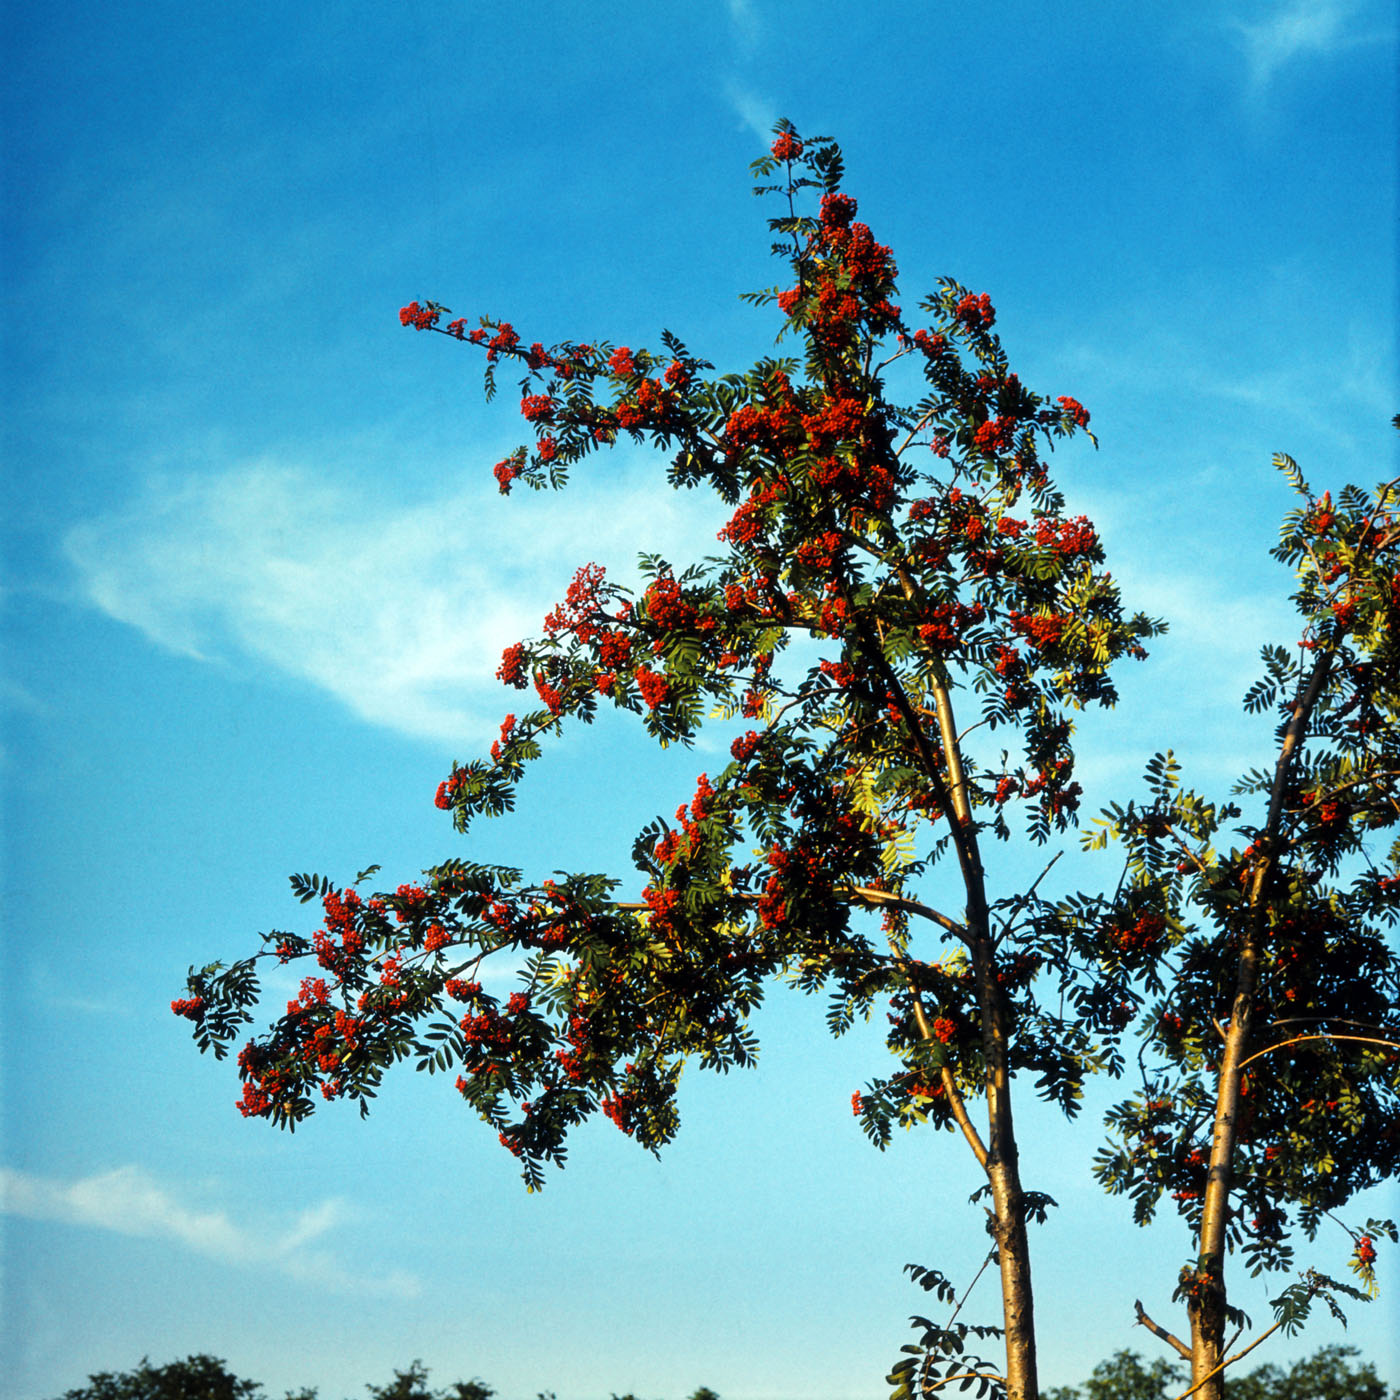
point(1158, 1330)
point(971, 727)
point(917, 428)
point(991, 1254)
point(1025, 898)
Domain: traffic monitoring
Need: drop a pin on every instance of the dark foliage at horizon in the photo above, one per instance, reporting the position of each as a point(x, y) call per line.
point(1328, 1374)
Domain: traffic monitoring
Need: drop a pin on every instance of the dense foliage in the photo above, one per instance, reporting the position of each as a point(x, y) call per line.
point(195, 1378)
point(1270, 1075)
point(902, 621)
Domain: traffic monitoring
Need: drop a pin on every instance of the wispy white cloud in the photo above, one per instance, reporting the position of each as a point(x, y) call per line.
point(129, 1201)
point(65, 993)
point(1302, 29)
point(399, 611)
point(1244, 355)
point(757, 112)
point(744, 19)
point(1214, 635)
point(1188, 695)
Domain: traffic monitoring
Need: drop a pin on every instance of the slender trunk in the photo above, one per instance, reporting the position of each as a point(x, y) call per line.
point(1003, 1159)
point(1004, 1177)
point(1002, 1163)
point(1208, 1296)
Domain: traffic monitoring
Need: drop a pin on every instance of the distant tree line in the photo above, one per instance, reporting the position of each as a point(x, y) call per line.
point(208, 1378)
point(1329, 1374)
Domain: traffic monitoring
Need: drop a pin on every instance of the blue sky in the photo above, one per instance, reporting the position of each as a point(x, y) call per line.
point(257, 578)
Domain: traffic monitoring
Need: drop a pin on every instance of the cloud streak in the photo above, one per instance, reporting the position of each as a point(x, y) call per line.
point(1300, 30)
point(756, 112)
point(398, 611)
point(129, 1201)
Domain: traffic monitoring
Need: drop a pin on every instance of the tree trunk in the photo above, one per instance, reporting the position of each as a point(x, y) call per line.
point(1004, 1177)
point(1003, 1163)
point(1208, 1297)
point(1207, 1300)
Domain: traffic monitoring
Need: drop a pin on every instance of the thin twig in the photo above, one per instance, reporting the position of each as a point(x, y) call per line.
point(918, 427)
point(1230, 1361)
point(1339, 1020)
point(1366, 1039)
point(1025, 898)
point(961, 1376)
point(971, 727)
point(1234, 1339)
point(991, 1254)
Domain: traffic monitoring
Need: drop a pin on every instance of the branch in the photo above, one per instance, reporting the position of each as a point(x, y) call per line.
point(1234, 1338)
point(1360, 781)
point(1338, 1020)
point(1025, 898)
point(1293, 737)
point(1157, 1330)
point(959, 1112)
point(945, 1076)
point(473, 962)
point(948, 732)
point(1191, 855)
point(926, 1388)
point(1383, 493)
point(1367, 1039)
point(971, 727)
point(956, 1106)
point(991, 1254)
point(919, 426)
point(953, 802)
point(1230, 1361)
point(856, 892)
point(911, 906)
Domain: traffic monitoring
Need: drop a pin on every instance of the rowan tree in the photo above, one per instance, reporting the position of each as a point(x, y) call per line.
point(1258, 927)
point(952, 615)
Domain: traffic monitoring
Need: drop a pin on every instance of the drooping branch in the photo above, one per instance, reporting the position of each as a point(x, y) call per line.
point(857, 893)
